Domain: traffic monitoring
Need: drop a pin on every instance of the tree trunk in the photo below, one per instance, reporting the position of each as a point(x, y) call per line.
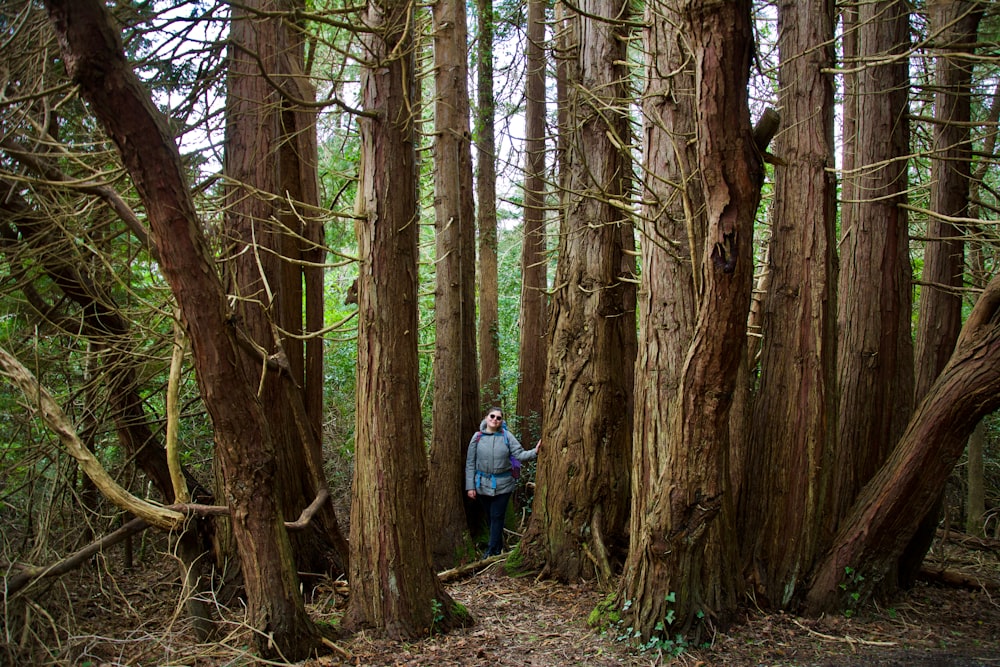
point(886, 514)
point(683, 557)
point(975, 506)
point(393, 587)
point(580, 510)
point(456, 379)
point(486, 191)
point(793, 430)
point(673, 236)
point(875, 359)
point(955, 25)
point(271, 211)
point(534, 275)
point(93, 56)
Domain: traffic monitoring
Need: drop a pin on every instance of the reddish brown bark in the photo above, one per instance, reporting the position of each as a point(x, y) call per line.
point(889, 509)
point(456, 411)
point(875, 353)
point(92, 54)
point(271, 213)
point(393, 587)
point(793, 430)
point(534, 265)
point(683, 561)
point(580, 511)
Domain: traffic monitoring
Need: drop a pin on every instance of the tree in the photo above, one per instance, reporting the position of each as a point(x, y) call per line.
point(393, 588)
point(875, 353)
point(486, 194)
point(940, 313)
point(534, 272)
point(93, 57)
point(581, 502)
point(456, 378)
point(885, 516)
point(792, 433)
point(271, 221)
point(682, 561)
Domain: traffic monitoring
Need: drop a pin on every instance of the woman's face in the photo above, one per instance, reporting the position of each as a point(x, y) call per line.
point(494, 419)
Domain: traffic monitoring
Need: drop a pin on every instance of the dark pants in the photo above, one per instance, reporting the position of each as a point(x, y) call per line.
point(496, 510)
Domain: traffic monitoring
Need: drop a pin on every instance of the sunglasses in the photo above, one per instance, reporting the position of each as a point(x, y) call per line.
point(496, 416)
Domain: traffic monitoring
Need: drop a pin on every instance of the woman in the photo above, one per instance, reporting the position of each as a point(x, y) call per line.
point(488, 472)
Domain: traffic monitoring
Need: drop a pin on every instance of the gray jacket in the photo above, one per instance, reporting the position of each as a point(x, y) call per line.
point(487, 467)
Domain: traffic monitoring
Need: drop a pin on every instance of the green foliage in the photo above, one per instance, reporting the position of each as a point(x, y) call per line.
point(437, 616)
point(852, 589)
point(612, 621)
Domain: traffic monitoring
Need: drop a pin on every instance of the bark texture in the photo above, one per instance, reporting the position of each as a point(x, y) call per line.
point(393, 588)
point(881, 523)
point(486, 194)
point(875, 352)
point(581, 501)
point(682, 556)
point(92, 54)
point(793, 426)
point(534, 276)
point(271, 220)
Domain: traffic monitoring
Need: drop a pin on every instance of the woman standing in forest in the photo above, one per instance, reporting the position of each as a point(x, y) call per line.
point(488, 472)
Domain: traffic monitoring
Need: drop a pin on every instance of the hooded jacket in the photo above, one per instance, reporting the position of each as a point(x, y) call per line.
point(487, 467)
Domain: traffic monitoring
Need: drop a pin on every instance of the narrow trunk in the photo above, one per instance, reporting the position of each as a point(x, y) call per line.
point(534, 278)
point(270, 164)
point(456, 380)
point(486, 194)
point(875, 353)
point(955, 25)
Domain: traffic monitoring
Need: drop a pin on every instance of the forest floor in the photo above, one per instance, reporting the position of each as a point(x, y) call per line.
point(134, 620)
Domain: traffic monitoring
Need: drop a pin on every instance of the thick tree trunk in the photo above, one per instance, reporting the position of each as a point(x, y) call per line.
point(270, 162)
point(793, 430)
point(456, 379)
point(93, 56)
point(875, 353)
point(683, 561)
point(580, 511)
point(534, 274)
point(886, 514)
point(393, 587)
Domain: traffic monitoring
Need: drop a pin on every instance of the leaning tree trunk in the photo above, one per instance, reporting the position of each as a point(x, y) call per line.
point(684, 562)
point(393, 587)
point(793, 432)
point(863, 557)
point(270, 166)
point(955, 25)
point(93, 56)
point(456, 408)
point(580, 511)
point(875, 353)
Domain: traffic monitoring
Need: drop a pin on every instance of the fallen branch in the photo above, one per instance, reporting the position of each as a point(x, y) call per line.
point(26, 574)
point(846, 639)
point(942, 575)
point(970, 541)
point(463, 571)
